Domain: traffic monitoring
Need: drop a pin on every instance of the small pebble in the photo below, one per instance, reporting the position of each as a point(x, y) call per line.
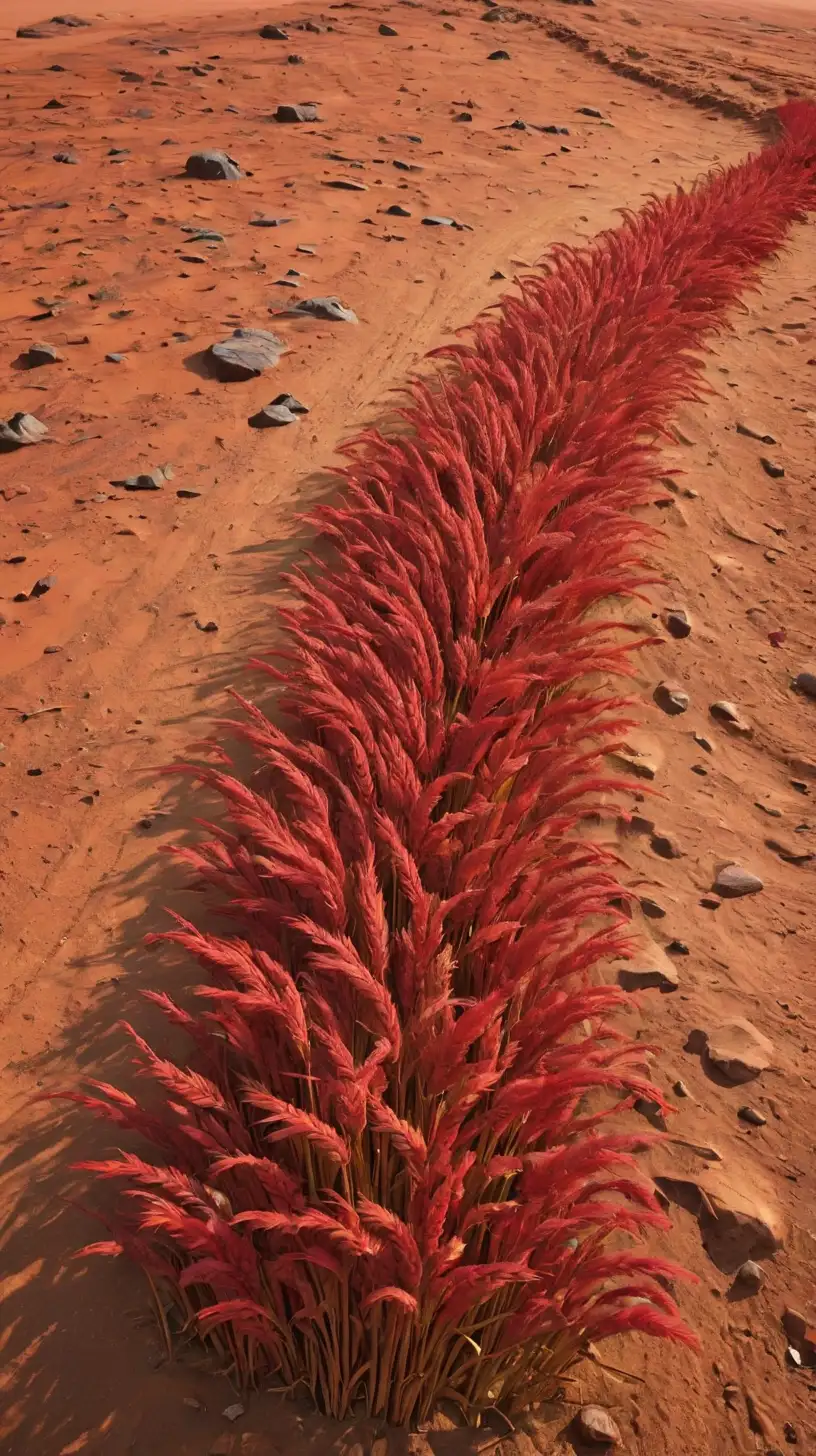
point(750, 1114)
point(749, 1277)
point(671, 698)
point(595, 1425)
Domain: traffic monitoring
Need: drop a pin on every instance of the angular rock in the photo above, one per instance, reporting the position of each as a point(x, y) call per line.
point(269, 222)
point(651, 909)
point(666, 846)
point(732, 882)
point(330, 309)
point(246, 354)
point(676, 621)
point(273, 416)
point(590, 111)
point(739, 1051)
point(499, 56)
point(212, 166)
point(397, 210)
point(386, 29)
point(290, 403)
point(595, 1425)
point(38, 354)
point(729, 714)
point(305, 111)
point(651, 970)
point(671, 698)
point(272, 32)
point(148, 480)
point(21, 429)
point(67, 158)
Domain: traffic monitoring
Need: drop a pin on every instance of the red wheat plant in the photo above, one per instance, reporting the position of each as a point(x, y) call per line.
point(396, 1172)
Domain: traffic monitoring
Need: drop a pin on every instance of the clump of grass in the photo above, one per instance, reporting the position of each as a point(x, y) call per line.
point(395, 1170)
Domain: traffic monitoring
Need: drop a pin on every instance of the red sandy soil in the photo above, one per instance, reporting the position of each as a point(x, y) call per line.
point(81, 813)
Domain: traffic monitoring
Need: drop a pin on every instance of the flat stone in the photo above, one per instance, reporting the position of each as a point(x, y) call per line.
point(345, 184)
point(710, 902)
point(305, 111)
point(212, 166)
point(330, 309)
point(290, 403)
point(746, 1223)
point(677, 622)
point(594, 1424)
point(272, 416)
point(147, 480)
point(21, 429)
point(729, 714)
point(751, 1116)
point(666, 846)
point(397, 210)
point(273, 32)
point(39, 354)
point(590, 111)
point(771, 467)
point(732, 882)
point(805, 682)
point(269, 222)
point(246, 354)
point(651, 970)
point(384, 29)
point(756, 432)
point(671, 698)
point(739, 1051)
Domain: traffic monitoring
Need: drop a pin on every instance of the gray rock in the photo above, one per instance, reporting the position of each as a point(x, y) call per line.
point(67, 158)
point(671, 698)
point(305, 111)
point(749, 1278)
point(590, 111)
point(805, 682)
point(269, 222)
point(397, 210)
point(272, 416)
point(115, 358)
point(272, 32)
point(324, 308)
point(39, 354)
point(246, 354)
point(732, 882)
point(203, 235)
point(148, 480)
point(213, 166)
point(21, 429)
point(386, 29)
point(499, 56)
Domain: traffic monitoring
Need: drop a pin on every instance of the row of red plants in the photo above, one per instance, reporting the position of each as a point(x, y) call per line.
point(395, 1170)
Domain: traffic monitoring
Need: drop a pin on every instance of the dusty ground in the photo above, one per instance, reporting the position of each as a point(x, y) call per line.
point(135, 680)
